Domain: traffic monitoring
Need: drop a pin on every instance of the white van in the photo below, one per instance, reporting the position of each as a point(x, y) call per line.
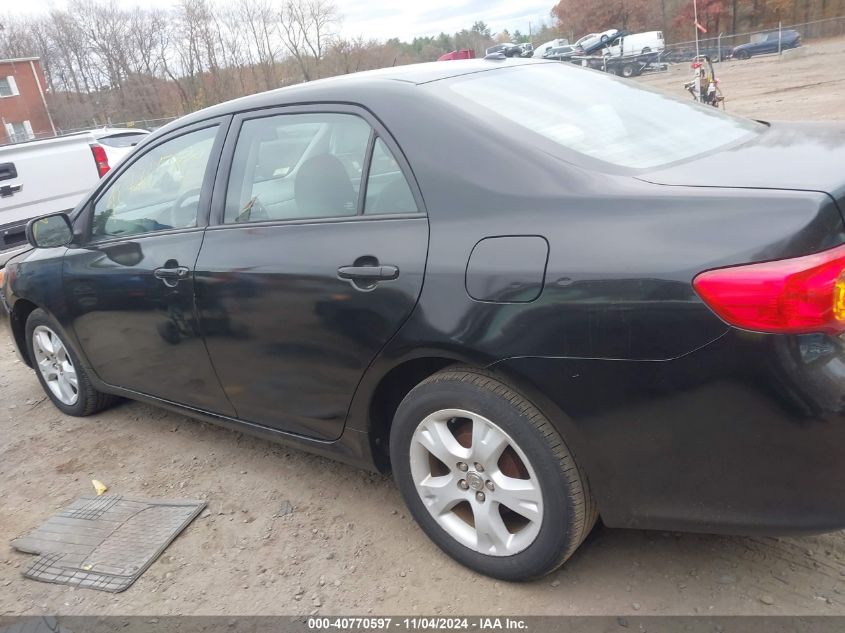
point(637, 44)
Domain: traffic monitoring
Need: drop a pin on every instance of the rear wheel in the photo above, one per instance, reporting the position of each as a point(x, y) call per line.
point(628, 70)
point(488, 477)
point(62, 376)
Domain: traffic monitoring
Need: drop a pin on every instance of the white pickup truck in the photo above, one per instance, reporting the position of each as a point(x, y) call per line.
point(44, 176)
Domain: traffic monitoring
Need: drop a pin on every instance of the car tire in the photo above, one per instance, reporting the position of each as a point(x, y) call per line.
point(628, 71)
point(522, 462)
point(743, 55)
point(58, 367)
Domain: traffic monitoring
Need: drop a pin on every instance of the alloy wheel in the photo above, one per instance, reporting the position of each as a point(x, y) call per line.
point(476, 482)
point(55, 365)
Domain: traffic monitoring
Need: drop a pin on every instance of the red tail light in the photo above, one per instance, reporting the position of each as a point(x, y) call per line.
point(799, 295)
point(101, 159)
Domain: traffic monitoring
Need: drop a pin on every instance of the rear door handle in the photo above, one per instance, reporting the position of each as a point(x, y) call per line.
point(368, 273)
point(172, 276)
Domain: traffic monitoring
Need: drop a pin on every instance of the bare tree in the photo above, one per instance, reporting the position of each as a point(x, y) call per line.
point(308, 27)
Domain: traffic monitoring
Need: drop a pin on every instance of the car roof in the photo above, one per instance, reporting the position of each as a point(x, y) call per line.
point(338, 89)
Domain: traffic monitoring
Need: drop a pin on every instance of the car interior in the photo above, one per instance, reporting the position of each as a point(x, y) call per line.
point(309, 166)
point(285, 167)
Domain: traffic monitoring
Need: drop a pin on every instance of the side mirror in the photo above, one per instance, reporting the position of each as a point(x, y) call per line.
point(49, 231)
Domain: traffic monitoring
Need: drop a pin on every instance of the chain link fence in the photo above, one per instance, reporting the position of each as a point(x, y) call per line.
point(768, 41)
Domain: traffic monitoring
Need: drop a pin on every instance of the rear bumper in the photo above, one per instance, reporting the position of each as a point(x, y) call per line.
point(745, 435)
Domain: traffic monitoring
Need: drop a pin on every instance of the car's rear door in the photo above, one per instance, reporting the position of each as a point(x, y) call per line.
point(770, 44)
point(316, 259)
point(129, 287)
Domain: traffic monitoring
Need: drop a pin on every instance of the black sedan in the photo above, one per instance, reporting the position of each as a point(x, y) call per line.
point(771, 42)
point(536, 293)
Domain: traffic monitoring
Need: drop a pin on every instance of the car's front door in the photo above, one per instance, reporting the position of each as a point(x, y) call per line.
point(317, 259)
point(129, 286)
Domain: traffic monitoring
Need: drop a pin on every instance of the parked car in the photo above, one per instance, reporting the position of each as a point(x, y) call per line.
point(770, 42)
point(636, 44)
point(118, 142)
point(508, 49)
point(540, 51)
point(561, 52)
point(45, 176)
point(641, 317)
point(527, 49)
point(594, 40)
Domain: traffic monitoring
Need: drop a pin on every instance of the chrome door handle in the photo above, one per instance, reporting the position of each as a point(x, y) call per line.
point(368, 273)
point(172, 276)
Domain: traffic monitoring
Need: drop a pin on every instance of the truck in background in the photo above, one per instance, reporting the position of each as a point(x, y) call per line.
point(464, 53)
point(44, 176)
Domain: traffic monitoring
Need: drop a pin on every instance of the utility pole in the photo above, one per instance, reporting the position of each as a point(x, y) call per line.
point(695, 26)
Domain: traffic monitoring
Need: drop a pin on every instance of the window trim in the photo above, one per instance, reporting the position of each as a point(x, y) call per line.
point(85, 218)
point(365, 172)
point(221, 184)
point(13, 87)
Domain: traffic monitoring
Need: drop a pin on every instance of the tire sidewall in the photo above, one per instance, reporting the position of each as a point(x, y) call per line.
point(546, 552)
point(40, 317)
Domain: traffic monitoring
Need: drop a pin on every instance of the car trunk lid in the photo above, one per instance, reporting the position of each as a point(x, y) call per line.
point(796, 156)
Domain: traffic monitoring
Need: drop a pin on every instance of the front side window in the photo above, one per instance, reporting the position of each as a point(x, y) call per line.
point(296, 166)
point(159, 191)
point(601, 117)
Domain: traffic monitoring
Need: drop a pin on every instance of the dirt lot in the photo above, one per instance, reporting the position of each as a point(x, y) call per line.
point(806, 83)
point(349, 546)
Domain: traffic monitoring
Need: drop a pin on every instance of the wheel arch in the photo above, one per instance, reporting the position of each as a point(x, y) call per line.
point(18, 317)
point(389, 392)
point(397, 382)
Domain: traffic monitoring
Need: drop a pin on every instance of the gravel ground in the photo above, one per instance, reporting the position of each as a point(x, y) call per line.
point(807, 83)
point(349, 546)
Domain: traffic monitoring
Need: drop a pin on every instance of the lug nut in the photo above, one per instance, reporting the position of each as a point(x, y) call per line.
point(479, 496)
point(479, 467)
point(490, 485)
point(463, 467)
point(463, 485)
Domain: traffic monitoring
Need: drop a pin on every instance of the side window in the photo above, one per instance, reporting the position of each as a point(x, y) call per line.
point(292, 166)
point(387, 189)
point(159, 191)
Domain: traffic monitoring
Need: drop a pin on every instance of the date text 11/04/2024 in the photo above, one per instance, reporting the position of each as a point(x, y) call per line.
point(417, 623)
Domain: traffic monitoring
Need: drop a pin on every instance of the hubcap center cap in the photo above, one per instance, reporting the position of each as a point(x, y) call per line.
point(475, 481)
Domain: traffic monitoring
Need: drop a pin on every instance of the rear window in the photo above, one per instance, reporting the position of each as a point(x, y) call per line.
point(606, 118)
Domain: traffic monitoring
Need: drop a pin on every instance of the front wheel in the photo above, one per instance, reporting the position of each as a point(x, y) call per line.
point(62, 376)
point(488, 477)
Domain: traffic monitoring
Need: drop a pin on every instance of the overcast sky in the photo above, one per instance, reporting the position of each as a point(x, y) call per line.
point(382, 19)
